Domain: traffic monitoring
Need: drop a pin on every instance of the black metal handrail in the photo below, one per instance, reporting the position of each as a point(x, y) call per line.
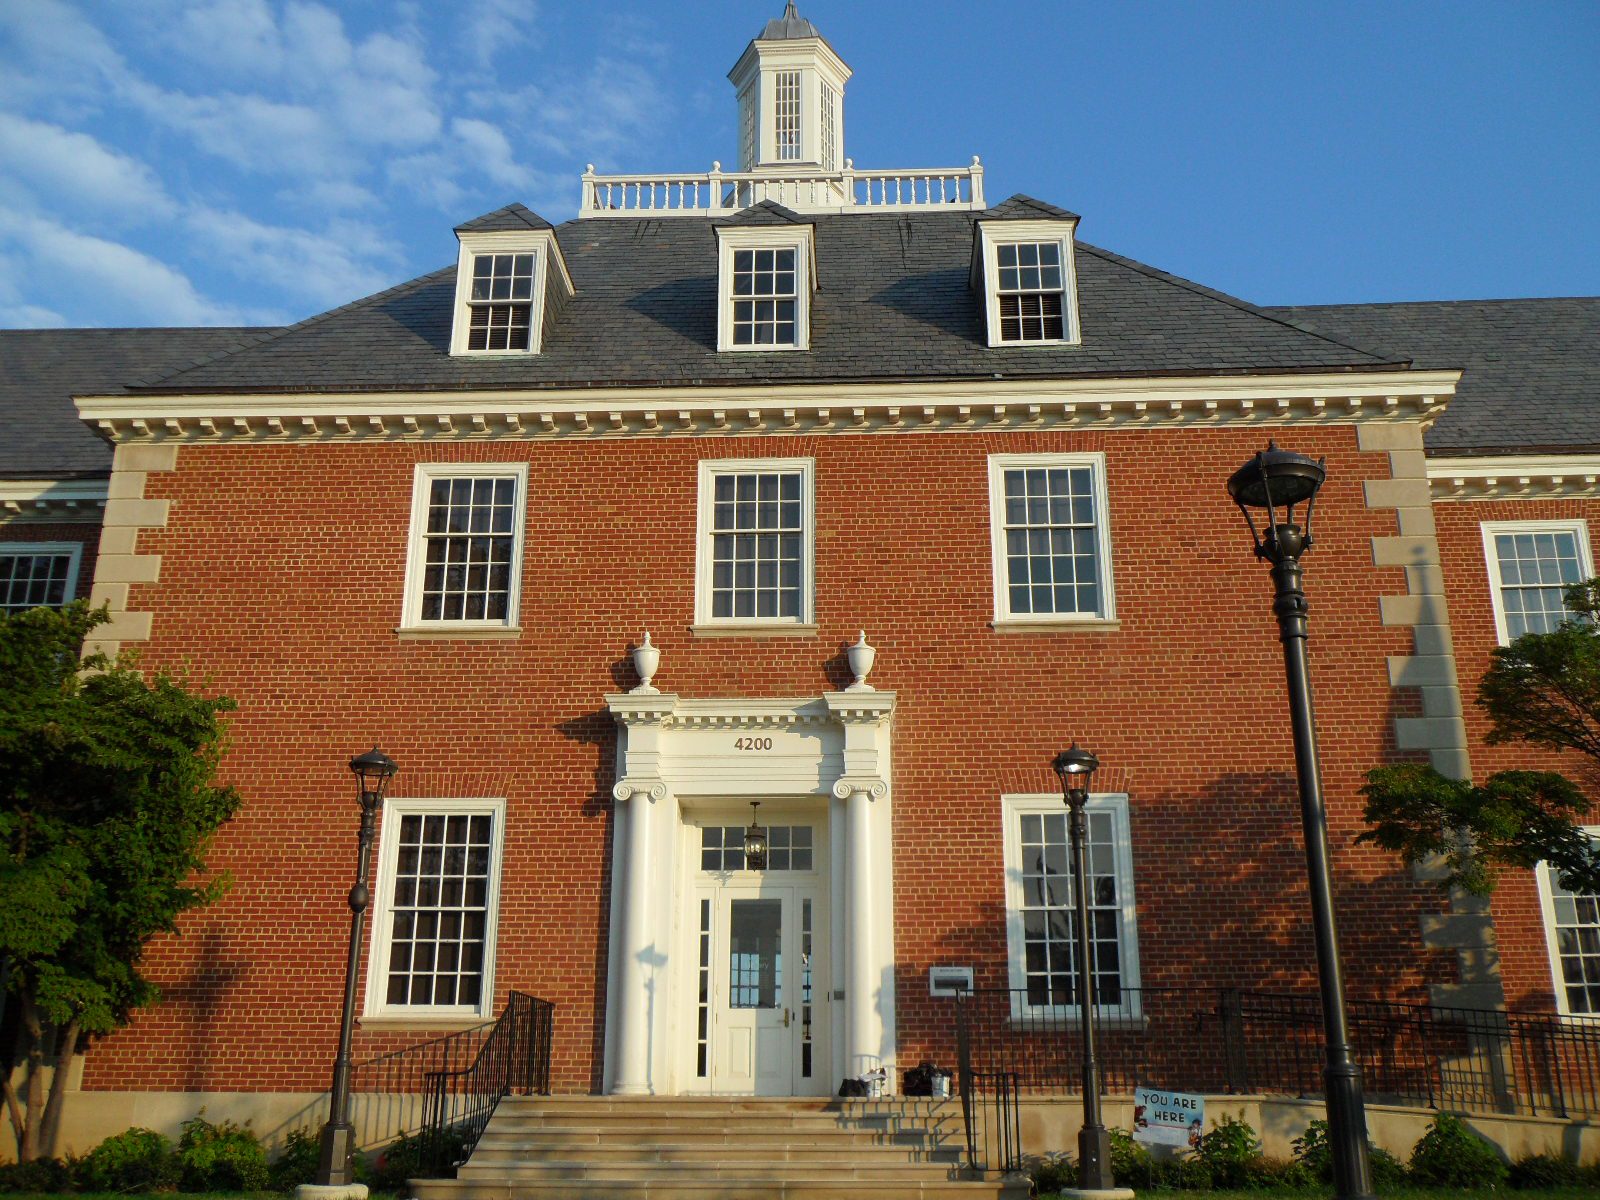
point(1228, 1040)
point(989, 1108)
point(512, 1059)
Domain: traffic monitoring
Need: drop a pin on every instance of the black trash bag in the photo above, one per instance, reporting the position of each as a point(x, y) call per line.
point(852, 1088)
point(918, 1081)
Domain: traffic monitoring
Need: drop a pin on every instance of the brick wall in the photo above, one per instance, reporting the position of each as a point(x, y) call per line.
point(1519, 925)
point(281, 577)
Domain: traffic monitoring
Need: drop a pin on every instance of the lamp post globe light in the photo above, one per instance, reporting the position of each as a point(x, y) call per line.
point(1274, 483)
point(1076, 767)
point(373, 771)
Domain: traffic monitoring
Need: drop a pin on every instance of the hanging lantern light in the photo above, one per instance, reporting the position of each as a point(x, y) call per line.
point(755, 842)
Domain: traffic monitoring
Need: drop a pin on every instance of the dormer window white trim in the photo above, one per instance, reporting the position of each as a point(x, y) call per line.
point(502, 288)
point(1029, 281)
point(765, 274)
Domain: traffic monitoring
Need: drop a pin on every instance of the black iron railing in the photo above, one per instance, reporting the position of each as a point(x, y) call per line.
point(513, 1058)
point(1231, 1041)
point(988, 1106)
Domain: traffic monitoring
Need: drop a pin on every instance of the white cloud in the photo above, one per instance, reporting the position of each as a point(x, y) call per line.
point(329, 268)
point(488, 153)
point(109, 279)
point(44, 36)
point(329, 195)
point(489, 27)
point(30, 316)
point(237, 36)
point(75, 170)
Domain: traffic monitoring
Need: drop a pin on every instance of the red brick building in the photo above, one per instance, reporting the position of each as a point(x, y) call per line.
point(759, 415)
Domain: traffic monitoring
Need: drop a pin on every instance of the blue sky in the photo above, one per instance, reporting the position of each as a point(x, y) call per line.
point(257, 161)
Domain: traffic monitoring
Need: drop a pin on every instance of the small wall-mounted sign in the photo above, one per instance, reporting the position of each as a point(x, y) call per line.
point(949, 981)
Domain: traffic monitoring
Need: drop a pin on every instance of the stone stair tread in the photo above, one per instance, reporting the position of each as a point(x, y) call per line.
point(456, 1189)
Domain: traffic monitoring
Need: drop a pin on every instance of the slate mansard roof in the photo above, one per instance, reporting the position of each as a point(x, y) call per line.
point(893, 302)
point(1531, 368)
point(42, 369)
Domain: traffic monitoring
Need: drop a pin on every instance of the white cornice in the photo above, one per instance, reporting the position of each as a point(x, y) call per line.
point(1324, 398)
point(52, 499)
point(1515, 477)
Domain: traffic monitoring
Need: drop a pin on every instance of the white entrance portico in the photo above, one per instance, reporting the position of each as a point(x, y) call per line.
point(733, 981)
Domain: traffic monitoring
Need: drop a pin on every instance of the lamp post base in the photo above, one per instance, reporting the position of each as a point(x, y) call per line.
point(1110, 1193)
point(1094, 1161)
point(331, 1191)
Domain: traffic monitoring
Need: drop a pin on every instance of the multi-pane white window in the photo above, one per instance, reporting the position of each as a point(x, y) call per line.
point(1531, 564)
point(1030, 291)
point(765, 295)
point(830, 128)
point(438, 894)
point(466, 545)
point(1572, 925)
point(755, 542)
point(786, 115)
point(747, 129)
point(789, 848)
point(500, 307)
point(1041, 920)
point(1048, 526)
point(37, 574)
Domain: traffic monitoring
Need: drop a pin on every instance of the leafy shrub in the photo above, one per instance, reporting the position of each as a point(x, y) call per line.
point(1451, 1155)
point(407, 1158)
point(1267, 1174)
point(1053, 1173)
point(1188, 1174)
point(220, 1158)
point(297, 1162)
point(1545, 1171)
point(40, 1175)
point(1387, 1170)
point(1131, 1165)
point(140, 1160)
point(1228, 1150)
point(1315, 1155)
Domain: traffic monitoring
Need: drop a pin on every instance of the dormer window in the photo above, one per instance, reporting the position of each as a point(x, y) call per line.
point(1025, 270)
point(766, 274)
point(501, 304)
point(510, 282)
point(764, 297)
point(1029, 288)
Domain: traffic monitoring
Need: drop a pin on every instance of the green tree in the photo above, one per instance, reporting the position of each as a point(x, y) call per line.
point(1544, 689)
point(108, 801)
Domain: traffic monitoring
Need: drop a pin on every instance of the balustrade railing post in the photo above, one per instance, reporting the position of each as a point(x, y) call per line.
point(964, 1070)
point(1235, 1054)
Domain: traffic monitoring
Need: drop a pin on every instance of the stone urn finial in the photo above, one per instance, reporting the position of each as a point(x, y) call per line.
point(861, 657)
point(646, 658)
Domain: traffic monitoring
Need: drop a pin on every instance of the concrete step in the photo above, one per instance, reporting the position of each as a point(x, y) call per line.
point(678, 1151)
point(1013, 1188)
point(718, 1148)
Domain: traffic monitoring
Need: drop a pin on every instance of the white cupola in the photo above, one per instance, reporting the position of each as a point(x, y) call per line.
point(791, 98)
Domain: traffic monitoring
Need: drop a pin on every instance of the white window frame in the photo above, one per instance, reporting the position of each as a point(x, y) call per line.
point(1013, 807)
point(766, 237)
point(72, 550)
point(1547, 914)
point(416, 541)
point(1576, 526)
point(539, 243)
point(377, 1003)
point(999, 464)
point(992, 234)
point(709, 469)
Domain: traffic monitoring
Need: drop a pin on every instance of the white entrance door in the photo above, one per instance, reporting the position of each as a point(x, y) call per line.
point(756, 1019)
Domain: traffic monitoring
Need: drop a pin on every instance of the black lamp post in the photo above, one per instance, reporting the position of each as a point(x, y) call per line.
point(1076, 767)
point(1277, 481)
point(373, 770)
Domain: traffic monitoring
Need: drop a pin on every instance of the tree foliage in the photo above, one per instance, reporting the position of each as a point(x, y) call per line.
point(107, 805)
point(1544, 689)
